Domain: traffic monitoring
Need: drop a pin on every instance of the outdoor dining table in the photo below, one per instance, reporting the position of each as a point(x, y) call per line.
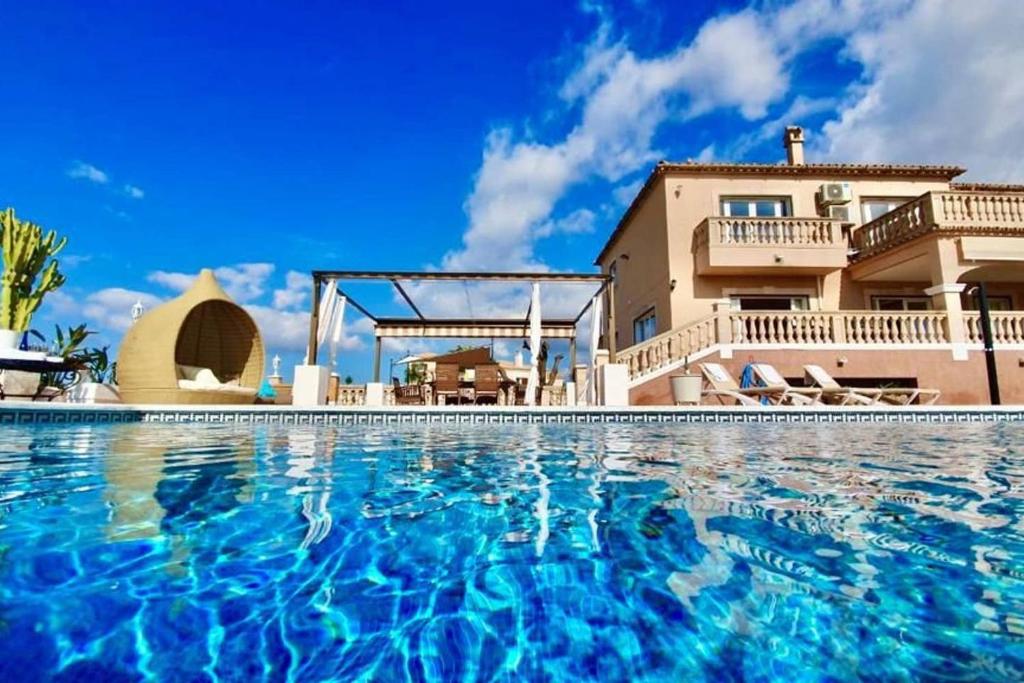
point(467, 392)
point(39, 362)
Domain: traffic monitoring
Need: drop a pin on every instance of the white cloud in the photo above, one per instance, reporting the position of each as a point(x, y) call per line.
point(296, 289)
point(134, 192)
point(74, 260)
point(579, 221)
point(107, 311)
point(940, 86)
point(179, 282)
point(731, 63)
point(83, 171)
point(243, 282)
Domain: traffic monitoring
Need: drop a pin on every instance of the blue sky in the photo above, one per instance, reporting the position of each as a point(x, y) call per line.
point(267, 139)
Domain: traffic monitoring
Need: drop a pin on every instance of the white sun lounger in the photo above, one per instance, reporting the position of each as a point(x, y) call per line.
point(723, 385)
point(899, 396)
point(771, 378)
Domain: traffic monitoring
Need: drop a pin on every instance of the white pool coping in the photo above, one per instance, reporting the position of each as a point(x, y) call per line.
point(23, 412)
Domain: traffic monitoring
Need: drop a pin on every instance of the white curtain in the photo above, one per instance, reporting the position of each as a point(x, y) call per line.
point(326, 313)
point(339, 327)
point(534, 381)
point(596, 321)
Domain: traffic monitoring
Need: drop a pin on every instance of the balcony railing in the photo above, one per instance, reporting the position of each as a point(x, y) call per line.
point(1007, 327)
point(982, 212)
point(670, 347)
point(725, 245)
point(810, 328)
point(768, 232)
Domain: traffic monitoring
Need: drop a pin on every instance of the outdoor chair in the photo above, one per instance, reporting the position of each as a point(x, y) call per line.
point(771, 378)
point(898, 396)
point(446, 381)
point(407, 395)
point(486, 382)
point(723, 385)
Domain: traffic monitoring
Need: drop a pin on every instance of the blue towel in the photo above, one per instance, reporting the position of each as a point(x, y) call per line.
point(266, 391)
point(748, 380)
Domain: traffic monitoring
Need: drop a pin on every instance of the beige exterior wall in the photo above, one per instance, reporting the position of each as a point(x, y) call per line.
point(659, 241)
point(961, 383)
point(691, 199)
point(642, 279)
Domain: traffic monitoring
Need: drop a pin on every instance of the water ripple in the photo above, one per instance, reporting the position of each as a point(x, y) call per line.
point(441, 552)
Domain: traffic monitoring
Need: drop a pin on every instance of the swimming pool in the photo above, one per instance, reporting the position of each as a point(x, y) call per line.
point(540, 551)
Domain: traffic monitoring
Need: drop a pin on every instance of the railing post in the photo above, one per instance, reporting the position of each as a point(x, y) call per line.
point(946, 297)
point(838, 328)
point(723, 325)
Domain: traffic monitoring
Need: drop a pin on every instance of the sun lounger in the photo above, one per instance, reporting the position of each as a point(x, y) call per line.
point(833, 392)
point(771, 378)
point(724, 386)
point(898, 396)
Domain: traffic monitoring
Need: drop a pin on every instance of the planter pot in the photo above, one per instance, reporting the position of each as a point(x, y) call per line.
point(686, 389)
point(9, 339)
point(93, 392)
point(17, 383)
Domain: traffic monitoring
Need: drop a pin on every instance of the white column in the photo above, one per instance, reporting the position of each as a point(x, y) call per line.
point(946, 297)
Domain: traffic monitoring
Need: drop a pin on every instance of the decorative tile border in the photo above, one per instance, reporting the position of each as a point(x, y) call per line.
point(55, 414)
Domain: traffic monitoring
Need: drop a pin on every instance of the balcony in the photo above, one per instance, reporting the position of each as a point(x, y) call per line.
point(768, 246)
point(976, 217)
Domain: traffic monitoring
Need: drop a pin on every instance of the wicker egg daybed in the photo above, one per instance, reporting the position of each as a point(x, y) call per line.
point(200, 348)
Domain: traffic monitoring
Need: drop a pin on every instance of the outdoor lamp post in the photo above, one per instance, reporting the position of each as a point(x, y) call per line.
point(986, 338)
point(137, 310)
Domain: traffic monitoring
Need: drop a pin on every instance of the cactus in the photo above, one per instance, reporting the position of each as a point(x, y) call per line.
point(27, 256)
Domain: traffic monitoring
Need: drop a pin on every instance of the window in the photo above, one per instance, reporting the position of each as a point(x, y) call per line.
point(872, 208)
point(645, 327)
point(767, 207)
point(1003, 302)
point(756, 302)
point(901, 303)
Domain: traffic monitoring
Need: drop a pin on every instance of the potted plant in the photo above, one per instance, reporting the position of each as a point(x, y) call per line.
point(30, 272)
point(686, 387)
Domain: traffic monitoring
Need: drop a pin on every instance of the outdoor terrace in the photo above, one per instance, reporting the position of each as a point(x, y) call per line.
point(806, 329)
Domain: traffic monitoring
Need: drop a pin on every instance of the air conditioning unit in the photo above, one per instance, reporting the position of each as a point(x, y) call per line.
point(834, 193)
point(841, 212)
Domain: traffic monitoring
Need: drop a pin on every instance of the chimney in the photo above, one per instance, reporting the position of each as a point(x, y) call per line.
point(793, 141)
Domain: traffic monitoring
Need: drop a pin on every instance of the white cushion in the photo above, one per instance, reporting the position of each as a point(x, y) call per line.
point(187, 371)
point(769, 374)
point(718, 372)
point(201, 376)
point(821, 376)
point(205, 377)
point(192, 385)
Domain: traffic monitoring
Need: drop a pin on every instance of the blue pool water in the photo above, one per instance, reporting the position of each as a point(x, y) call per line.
point(541, 552)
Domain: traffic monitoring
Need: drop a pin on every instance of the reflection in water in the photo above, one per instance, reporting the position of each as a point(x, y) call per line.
point(523, 551)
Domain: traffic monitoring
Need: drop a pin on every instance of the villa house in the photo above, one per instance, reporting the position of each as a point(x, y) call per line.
point(868, 270)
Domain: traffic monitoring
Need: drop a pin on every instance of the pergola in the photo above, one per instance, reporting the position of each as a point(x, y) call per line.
point(422, 326)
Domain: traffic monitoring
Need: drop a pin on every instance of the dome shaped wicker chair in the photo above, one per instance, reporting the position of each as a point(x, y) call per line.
point(200, 348)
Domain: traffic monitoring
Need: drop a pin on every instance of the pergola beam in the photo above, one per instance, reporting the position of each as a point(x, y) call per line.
point(439, 328)
point(469, 329)
point(460, 276)
point(408, 299)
